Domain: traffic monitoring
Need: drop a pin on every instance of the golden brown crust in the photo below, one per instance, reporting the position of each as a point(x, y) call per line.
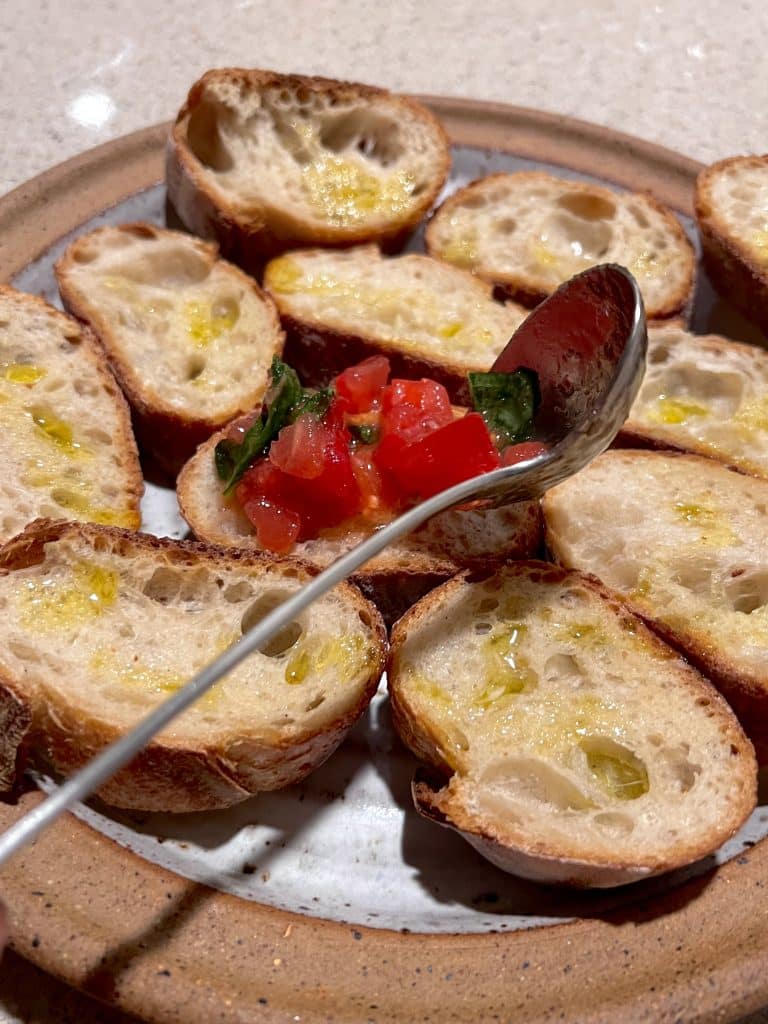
point(729, 262)
point(393, 580)
point(520, 288)
point(444, 795)
point(250, 240)
point(320, 353)
point(170, 774)
point(167, 435)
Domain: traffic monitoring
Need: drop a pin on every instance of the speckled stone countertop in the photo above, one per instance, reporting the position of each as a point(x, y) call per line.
point(690, 76)
point(73, 74)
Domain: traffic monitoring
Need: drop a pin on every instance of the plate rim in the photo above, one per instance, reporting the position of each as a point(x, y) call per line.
point(649, 958)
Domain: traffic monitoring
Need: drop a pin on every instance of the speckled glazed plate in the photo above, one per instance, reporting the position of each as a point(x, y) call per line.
point(332, 900)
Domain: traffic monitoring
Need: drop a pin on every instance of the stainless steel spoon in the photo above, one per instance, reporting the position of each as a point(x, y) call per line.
point(587, 343)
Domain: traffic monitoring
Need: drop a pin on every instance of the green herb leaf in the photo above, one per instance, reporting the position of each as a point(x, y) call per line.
point(508, 402)
point(317, 403)
point(365, 433)
point(232, 459)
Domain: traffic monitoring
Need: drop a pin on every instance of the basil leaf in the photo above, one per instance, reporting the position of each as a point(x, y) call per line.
point(317, 403)
point(232, 459)
point(508, 402)
point(365, 433)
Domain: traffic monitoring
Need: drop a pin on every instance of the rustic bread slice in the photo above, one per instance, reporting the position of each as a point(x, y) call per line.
point(703, 394)
point(264, 162)
point(99, 625)
point(685, 540)
point(189, 336)
point(528, 232)
point(732, 213)
point(404, 571)
point(428, 318)
point(66, 446)
point(580, 749)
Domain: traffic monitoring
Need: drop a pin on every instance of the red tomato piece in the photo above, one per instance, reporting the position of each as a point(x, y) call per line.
point(277, 529)
point(367, 477)
point(414, 408)
point(335, 416)
point(459, 451)
point(360, 387)
point(299, 448)
point(334, 495)
point(522, 452)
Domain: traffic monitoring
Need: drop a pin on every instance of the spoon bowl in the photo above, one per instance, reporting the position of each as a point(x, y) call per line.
point(587, 344)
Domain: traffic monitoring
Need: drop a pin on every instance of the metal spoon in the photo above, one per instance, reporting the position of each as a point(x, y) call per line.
point(587, 343)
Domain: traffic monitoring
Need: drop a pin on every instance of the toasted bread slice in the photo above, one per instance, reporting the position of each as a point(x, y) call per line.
point(189, 337)
point(429, 319)
point(703, 394)
point(581, 750)
point(732, 213)
point(264, 162)
point(528, 232)
point(100, 625)
point(685, 540)
point(404, 571)
point(66, 446)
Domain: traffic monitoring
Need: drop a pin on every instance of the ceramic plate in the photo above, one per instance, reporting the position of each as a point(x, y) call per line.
point(333, 899)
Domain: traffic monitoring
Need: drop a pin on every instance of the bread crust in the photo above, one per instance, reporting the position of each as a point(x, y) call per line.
point(250, 239)
point(79, 334)
point(318, 354)
point(168, 435)
point(318, 350)
point(730, 264)
point(520, 286)
point(394, 579)
point(745, 692)
point(171, 774)
point(714, 355)
point(443, 793)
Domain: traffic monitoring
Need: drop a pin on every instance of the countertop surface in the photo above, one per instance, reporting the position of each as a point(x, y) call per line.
point(74, 74)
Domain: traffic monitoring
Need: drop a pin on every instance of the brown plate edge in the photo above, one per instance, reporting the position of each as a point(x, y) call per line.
point(168, 950)
point(34, 215)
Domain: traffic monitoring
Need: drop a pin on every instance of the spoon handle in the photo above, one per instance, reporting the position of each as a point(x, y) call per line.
point(84, 782)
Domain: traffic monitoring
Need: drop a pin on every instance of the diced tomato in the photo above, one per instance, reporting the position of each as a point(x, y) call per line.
point(263, 478)
point(277, 529)
point(387, 456)
point(414, 408)
point(335, 417)
point(456, 452)
point(360, 387)
point(299, 447)
point(522, 452)
point(334, 495)
point(304, 505)
point(368, 477)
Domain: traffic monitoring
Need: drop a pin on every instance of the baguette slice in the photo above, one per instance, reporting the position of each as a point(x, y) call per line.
point(731, 204)
point(189, 337)
point(528, 232)
point(404, 571)
point(264, 162)
point(703, 394)
point(66, 446)
point(100, 625)
point(572, 745)
point(685, 540)
point(429, 319)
